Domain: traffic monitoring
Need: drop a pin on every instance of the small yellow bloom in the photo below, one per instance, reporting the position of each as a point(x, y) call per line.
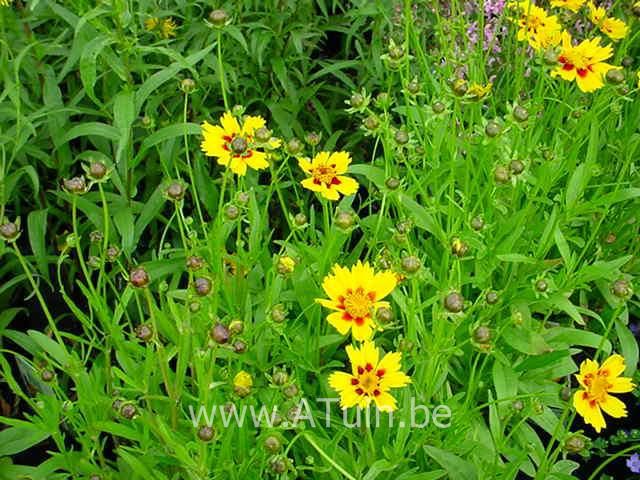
point(479, 91)
point(355, 295)
point(326, 175)
point(286, 265)
point(596, 383)
point(242, 383)
point(150, 23)
point(638, 78)
point(234, 145)
point(584, 63)
point(536, 24)
point(370, 378)
point(167, 28)
point(573, 5)
point(613, 28)
point(546, 38)
point(5, 3)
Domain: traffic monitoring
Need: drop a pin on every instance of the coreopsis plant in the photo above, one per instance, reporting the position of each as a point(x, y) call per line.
point(584, 63)
point(371, 378)
point(614, 28)
point(597, 383)
point(326, 175)
point(234, 145)
point(354, 295)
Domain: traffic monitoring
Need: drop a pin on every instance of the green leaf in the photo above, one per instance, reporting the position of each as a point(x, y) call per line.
point(93, 128)
point(88, 61)
point(629, 347)
point(50, 346)
point(17, 439)
point(455, 466)
point(124, 222)
point(164, 134)
point(37, 229)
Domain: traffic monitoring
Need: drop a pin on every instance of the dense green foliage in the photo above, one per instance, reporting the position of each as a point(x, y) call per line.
point(531, 220)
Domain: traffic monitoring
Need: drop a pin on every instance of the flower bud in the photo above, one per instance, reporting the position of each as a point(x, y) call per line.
point(47, 375)
point(285, 265)
point(237, 110)
point(239, 346)
point(384, 315)
point(482, 334)
point(144, 332)
point(231, 212)
point(218, 18)
point(492, 129)
point(94, 262)
point(139, 277)
point(294, 146)
point(272, 444)
point(219, 333)
point(401, 137)
point(406, 345)
point(610, 238)
point(575, 443)
point(454, 302)
point(312, 138)
point(278, 313)
point(410, 264)
point(96, 236)
point(371, 122)
point(290, 391)
point(516, 167)
point(501, 174)
point(10, 231)
point(392, 183)
point(263, 135)
point(459, 248)
point(278, 465)
point(280, 377)
point(175, 191)
point(621, 289)
point(477, 223)
point(491, 297)
point(357, 100)
point(541, 285)
point(128, 411)
point(413, 87)
point(112, 253)
point(517, 405)
point(344, 220)
point(236, 327)
point(521, 114)
point(615, 76)
point(565, 394)
point(242, 383)
point(188, 85)
point(438, 107)
point(202, 286)
point(242, 198)
point(96, 170)
point(194, 306)
point(551, 57)
point(300, 219)
point(195, 263)
point(75, 185)
point(460, 87)
point(206, 433)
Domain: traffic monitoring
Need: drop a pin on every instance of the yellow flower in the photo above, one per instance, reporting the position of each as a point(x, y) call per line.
point(370, 378)
point(242, 383)
point(546, 38)
point(638, 78)
point(5, 3)
point(597, 383)
point(286, 265)
point(584, 63)
point(150, 23)
point(233, 145)
point(479, 91)
point(167, 28)
point(613, 28)
point(326, 175)
point(535, 22)
point(355, 295)
point(573, 5)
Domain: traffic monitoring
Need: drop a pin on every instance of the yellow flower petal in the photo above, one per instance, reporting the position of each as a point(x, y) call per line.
point(251, 124)
point(589, 411)
point(229, 124)
point(613, 406)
